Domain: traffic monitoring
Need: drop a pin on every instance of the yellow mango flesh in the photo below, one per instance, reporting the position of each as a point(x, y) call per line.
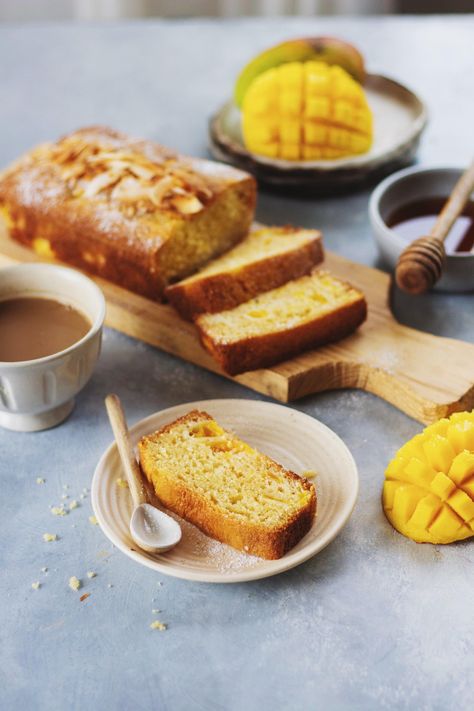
point(306, 111)
point(428, 494)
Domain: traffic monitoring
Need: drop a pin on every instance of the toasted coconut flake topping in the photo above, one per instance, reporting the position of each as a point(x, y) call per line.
point(128, 176)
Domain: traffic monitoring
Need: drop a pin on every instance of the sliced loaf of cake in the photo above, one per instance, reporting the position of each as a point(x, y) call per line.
point(281, 323)
point(264, 260)
point(229, 490)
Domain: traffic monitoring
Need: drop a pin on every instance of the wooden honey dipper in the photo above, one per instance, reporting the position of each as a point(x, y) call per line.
point(420, 265)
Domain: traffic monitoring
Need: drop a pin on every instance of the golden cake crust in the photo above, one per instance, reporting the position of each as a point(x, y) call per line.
point(259, 540)
point(226, 289)
point(113, 205)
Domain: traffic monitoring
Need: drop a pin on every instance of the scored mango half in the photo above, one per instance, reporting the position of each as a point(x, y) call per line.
point(306, 111)
point(428, 494)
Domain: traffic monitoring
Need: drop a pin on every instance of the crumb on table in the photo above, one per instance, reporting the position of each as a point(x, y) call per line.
point(93, 520)
point(157, 625)
point(74, 583)
point(309, 474)
point(49, 537)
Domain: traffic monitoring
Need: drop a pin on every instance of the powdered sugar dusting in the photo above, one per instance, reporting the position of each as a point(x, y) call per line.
point(211, 553)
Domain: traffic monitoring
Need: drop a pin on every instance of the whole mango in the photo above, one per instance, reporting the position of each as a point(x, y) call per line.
point(306, 111)
point(428, 494)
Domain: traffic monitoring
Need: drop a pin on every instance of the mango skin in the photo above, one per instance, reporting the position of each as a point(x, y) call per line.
point(330, 50)
point(428, 494)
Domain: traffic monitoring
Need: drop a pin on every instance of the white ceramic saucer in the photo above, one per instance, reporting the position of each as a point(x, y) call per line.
point(294, 439)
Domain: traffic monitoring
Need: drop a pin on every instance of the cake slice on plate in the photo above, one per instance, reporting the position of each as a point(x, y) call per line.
point(229, 490)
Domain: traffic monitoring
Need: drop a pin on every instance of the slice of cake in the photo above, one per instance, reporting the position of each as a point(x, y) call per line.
point(264, 260)
point(226, 488)
point(281, 323)
point(126, 209)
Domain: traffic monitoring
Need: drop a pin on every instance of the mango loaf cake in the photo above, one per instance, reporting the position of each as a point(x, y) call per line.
point(264, 260)
point(126, 209)
point(304, 313)
point(226, 488)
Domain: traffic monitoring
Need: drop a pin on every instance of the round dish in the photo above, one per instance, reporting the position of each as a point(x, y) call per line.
point(409, 185)
point(298, 441)
point(399, 119)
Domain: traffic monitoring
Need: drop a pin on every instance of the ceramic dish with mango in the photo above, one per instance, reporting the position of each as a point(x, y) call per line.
point(306, 113)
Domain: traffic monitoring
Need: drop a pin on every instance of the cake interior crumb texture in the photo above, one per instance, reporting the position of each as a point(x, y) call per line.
point(287, 307)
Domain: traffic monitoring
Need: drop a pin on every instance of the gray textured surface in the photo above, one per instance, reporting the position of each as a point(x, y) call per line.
point(374, 621)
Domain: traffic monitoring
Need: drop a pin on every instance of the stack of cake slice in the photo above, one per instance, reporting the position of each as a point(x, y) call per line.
point(264, 301)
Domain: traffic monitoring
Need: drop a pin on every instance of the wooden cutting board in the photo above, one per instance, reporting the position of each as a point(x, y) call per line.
point(426, 376)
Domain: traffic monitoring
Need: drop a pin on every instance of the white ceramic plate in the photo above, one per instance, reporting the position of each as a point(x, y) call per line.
point(294, 439)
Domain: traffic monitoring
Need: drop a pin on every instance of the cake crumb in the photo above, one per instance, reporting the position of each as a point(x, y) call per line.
point(110, 585)
point(84, 597)
point(123, 483)
point(157, 625)
point(65, 496)
point(40, 480)
point(49, 537)
point(91, 574)
point(93, 520)
point(155, 611)
point(309, 474)
point(44, 570)
point(82, 496)
point(58, 511)
point(36, 585)
point(74, 583)
point(73, 505)
point(65, 486)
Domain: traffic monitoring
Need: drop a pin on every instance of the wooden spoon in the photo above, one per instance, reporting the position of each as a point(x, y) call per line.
point(150, 528)
point(420, 265)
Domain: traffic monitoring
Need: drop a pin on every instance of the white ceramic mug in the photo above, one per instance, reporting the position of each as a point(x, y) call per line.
point(37, 394)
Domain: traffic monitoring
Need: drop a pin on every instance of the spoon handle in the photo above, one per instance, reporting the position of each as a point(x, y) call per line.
point(122, 438)
point(455, 204)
